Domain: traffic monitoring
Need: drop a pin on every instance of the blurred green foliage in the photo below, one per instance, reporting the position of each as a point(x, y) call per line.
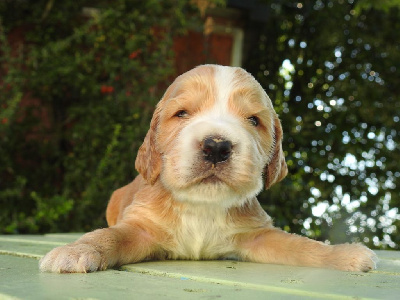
point(98, 70)
point(332, 70)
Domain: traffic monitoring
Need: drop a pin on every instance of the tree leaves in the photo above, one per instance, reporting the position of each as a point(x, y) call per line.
point(330, 72)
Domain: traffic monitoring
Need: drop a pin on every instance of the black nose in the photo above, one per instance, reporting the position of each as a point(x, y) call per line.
point(216, 150)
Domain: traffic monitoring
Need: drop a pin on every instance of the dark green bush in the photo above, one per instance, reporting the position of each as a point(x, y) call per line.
point(89, 77)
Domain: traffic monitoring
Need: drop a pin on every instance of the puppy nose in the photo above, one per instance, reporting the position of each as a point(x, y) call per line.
point(216, 150)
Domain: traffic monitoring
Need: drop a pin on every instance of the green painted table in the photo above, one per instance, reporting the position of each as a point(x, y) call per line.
point(20, 278)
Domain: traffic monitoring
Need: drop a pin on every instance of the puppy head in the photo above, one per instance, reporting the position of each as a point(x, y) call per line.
point(213, 136)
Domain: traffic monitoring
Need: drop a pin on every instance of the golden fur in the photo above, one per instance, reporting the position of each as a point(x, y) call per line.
point(185, 206)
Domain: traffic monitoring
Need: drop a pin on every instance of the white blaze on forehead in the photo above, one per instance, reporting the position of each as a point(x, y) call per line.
point(224, 82)
point(229, 78)
point(218, 120)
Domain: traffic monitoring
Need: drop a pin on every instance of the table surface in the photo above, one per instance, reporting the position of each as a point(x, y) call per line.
point(21, 279)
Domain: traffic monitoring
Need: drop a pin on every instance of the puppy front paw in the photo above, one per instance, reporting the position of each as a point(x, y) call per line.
point(74, 258)
point(352, 257)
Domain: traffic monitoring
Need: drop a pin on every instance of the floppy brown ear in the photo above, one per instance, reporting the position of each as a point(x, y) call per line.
point(148, 159)
point(276, 169)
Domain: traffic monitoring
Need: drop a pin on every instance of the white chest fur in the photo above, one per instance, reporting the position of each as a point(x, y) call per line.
point(203, 234)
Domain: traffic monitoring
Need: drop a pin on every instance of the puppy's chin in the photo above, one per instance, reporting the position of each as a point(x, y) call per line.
point(216, 193)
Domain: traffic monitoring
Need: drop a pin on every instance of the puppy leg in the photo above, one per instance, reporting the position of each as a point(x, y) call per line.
point(279, 247)
point(97, 250)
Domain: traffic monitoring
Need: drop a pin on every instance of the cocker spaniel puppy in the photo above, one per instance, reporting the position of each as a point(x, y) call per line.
point(214, 142)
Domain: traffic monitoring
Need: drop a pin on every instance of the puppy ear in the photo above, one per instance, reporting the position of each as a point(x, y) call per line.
point(148, 159)
point(276, 169)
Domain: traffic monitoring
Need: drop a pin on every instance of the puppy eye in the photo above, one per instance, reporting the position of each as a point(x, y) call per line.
point(254, 121)
point(181, 114)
